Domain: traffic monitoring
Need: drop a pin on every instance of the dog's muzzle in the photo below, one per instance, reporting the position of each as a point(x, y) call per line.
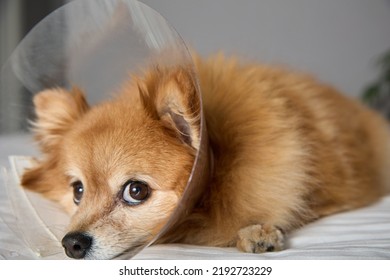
point(76, 244)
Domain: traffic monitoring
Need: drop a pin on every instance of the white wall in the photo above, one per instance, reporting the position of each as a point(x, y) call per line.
point(337, 40)
point(10, 27)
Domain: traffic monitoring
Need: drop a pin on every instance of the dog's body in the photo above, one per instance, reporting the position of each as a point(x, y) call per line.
point(286, 151)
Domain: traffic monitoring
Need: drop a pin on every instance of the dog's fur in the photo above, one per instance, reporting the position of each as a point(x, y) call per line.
point(287, 150)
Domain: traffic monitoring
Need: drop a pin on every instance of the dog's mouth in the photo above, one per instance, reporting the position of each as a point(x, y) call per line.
point(81, 245)
point(130, 252)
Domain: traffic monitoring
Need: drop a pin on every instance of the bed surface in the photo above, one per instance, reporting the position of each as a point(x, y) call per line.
point(358, 234)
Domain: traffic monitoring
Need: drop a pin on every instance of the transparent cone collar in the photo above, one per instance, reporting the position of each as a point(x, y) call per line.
point(95, 44)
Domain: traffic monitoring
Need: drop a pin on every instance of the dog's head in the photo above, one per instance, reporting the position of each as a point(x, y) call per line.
point(120, 167)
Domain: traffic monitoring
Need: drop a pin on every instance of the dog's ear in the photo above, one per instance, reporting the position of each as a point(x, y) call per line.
point(171, 96)
point(45, 179)
point(56, 110)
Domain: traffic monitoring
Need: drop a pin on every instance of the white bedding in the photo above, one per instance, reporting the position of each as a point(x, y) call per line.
point(359, 234)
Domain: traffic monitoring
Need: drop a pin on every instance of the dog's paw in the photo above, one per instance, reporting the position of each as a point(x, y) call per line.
point(260, 239)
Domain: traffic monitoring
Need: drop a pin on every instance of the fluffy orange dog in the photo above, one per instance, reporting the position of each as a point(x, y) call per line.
point(287, 150)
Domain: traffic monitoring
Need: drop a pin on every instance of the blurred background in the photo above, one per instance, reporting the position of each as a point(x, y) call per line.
point(342, 42)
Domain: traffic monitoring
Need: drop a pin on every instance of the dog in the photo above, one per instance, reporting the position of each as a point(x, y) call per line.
point(286, 150)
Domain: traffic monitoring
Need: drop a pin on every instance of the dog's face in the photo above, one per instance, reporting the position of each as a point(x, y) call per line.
point(120, 167)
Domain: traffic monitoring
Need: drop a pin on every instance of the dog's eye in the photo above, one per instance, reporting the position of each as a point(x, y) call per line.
point(78, 190)
point(135, 192)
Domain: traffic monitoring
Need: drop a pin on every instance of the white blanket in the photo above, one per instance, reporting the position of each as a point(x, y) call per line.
point(358, 234)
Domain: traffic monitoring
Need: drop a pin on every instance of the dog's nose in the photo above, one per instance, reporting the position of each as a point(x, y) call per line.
point(76, 244)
